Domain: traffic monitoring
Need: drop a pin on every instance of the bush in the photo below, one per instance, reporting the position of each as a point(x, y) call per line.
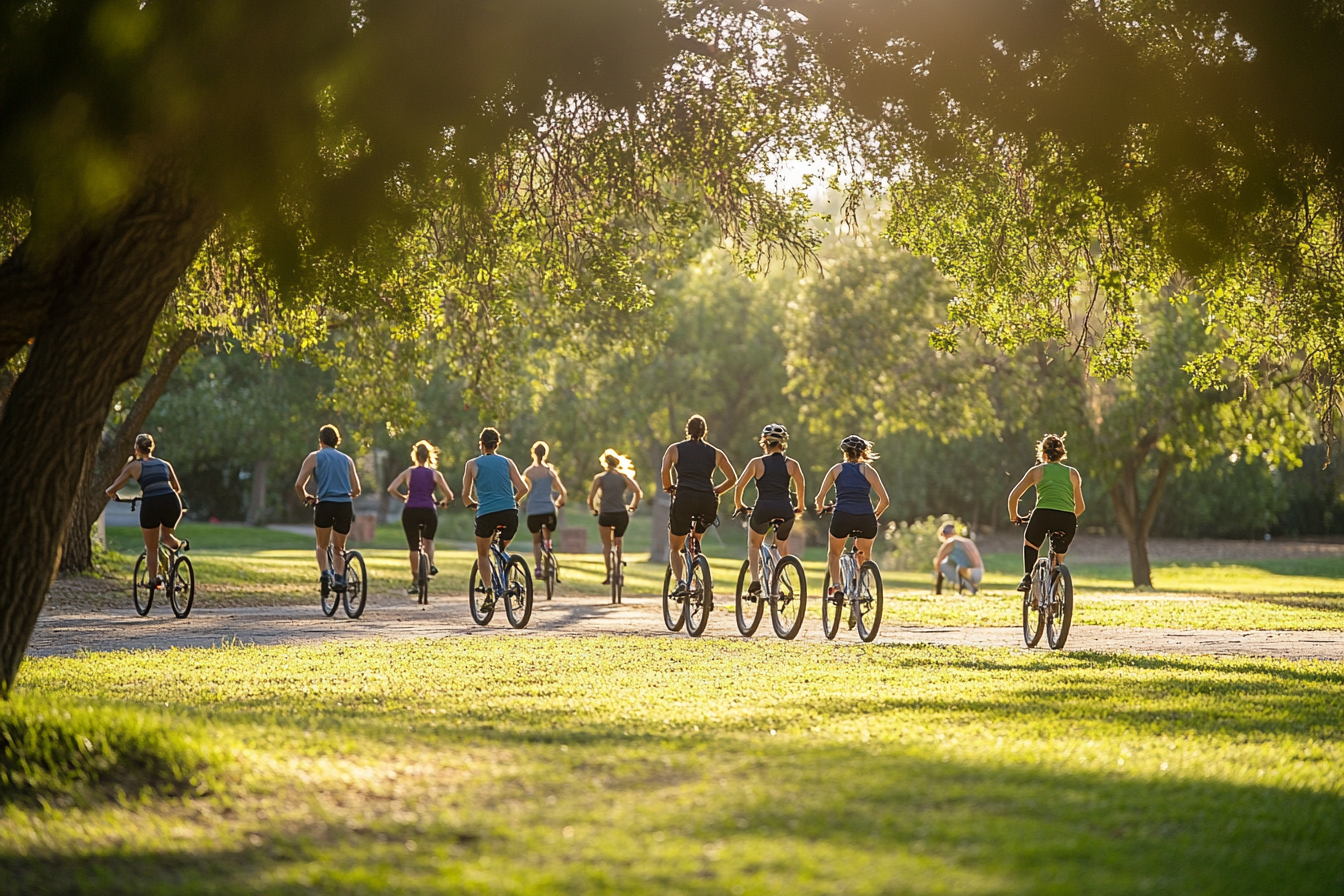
point(912, 546)
point(46, 750)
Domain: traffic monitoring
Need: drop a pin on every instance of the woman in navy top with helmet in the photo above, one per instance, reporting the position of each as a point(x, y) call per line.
point(160, 504)
point(419, 518)
point(772, 471)
point(854, 479)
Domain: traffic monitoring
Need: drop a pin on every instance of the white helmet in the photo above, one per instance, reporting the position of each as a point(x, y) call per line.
point(775, 431)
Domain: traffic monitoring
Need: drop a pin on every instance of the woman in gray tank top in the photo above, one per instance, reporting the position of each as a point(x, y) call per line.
point(613, 516)
point(542, 479)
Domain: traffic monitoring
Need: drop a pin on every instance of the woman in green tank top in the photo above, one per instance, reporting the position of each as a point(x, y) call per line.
point(1059, 503)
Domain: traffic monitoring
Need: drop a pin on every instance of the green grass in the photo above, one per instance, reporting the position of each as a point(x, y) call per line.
point(536, 765)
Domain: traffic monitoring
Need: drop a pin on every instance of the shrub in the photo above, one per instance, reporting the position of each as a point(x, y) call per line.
point(912, 546)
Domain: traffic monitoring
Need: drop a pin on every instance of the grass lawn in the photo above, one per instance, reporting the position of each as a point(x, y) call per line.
point(501, 765)
point(242, 565)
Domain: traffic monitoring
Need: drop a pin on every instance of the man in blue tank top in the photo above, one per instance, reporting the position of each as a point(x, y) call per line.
point(333, 507)
point(497, 484)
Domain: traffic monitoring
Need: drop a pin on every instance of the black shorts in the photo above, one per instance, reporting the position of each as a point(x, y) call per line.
point(845, 524)
point(334, 515)
point(535, 522)
point(412, 518)
point(762, 514)
point(487, 523)
point(616, 520)
point(160, 510)
point(1044, 521)
point(688, 504)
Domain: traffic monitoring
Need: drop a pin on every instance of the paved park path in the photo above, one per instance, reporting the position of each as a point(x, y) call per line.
point(397, 618)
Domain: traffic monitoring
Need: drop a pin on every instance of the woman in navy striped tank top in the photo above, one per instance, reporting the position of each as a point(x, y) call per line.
point(420, 518)
point(160, 505)
point(854, 514)
point(772, 472)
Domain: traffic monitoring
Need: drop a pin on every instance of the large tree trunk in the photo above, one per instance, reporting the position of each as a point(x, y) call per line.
point(93, 302)
point(1135, 515)
point(113, 451)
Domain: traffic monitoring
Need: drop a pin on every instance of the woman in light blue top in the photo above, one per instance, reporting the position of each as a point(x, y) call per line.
point(496, 484)
point(333, 505)
point(542, 479)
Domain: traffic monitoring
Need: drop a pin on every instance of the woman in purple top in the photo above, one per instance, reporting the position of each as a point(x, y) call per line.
point(419, 518)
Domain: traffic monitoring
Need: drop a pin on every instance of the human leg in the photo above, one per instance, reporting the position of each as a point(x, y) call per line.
point(151, 537)
point(323, 534)
point(338, 539)
point(676, 543)
point(754, 540)
point(605, 533)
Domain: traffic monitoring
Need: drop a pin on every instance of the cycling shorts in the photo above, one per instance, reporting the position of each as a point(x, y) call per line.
point(160, 510)
point(845, 524)
point(412, 518)
point(685, 505)
point(487, 523)
point(1044, 521)
point(616, 520)
point(336, 515)
point(536, 521)
point(763, 513)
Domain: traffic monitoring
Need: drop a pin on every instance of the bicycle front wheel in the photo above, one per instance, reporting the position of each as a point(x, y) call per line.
point(356, 584)
point(141, 594)
point(868, 602)
point(518, 592)
point(1033, 612)
point(672, 615)
point(831, 607)
point(182, 587)
point(480, 597)
point(1060, 615)
point(699, 600)
point(422, 579)
point(747, 607)
point(788, 598)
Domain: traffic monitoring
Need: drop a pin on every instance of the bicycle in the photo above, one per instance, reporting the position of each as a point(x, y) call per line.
point(788, 601)
point(509, 578)
point(861, 588)
point(617, 572)
point(698, 599)
point(1050, 598)
point(355, 592)
point(423, 568)
point(550, 567)
point(179, 583)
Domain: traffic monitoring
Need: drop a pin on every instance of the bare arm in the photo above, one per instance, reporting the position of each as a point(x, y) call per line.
point(305, 473)
point(943, 550)
point(172, 478)
point(748, 473)
point(883, 502)
point(355, 488)
point(560, 487)
point(442, 483)
point(592, 493)
point(468, 480)
point(973, 553)
point(639, 493)
point(123, 477)
point(725, 467)
point(1079, 505)
point(394, 488)
point(796, 471)
point(520, 485)
point(826, 484)
point(1032, 477)
point(669, 459)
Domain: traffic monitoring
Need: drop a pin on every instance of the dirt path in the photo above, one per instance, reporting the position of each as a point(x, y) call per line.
point(66, 633)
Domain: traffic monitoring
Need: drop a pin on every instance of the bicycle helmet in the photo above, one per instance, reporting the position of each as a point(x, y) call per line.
point(775, 431)
point(854, 443)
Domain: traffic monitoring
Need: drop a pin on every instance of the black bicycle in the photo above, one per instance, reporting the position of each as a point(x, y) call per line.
point(423, 568)
point(696, 597)
point(785, 589)
point(179, 583)
point(354, 590)
point(617, 572)
point(510, 580)
point(1047, 605)
point(550, 567)
point(861, 589)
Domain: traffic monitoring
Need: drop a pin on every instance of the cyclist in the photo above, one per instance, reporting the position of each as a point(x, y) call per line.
point(542, 481)
point(160, 502)
point(854, 478)
point(772, 471)
point(1059, 503)
point(694, 493)
point(613, 516)
point(958, 559)
point(422, 478)
point(333, 508)
point(497, 484)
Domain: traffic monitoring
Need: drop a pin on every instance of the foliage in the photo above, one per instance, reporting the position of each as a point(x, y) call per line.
point(912, 545)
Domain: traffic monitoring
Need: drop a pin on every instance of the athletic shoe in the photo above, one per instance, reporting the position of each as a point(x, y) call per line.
point(433, 570)
point(754, 589)
point(338, 583)
point(325, 580)
point(413, 588)
point(1025, 585)
point(537, 573)
point(607, 580)
point(184, 546)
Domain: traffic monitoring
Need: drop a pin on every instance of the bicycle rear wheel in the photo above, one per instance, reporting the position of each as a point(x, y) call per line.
point(141, 594)
point(868, 602)
point(615, 575)
point(182, 587)
point(422, 578)
point(1060, 616)
point(356, 584)
point(331, 599)
point(1033, 612)
point(550, 572)
point(672, 615)
point(788, 598)
point(480, 597)
point(518, 592)
point(747, 608)
point(831, 607)
point(700, 599)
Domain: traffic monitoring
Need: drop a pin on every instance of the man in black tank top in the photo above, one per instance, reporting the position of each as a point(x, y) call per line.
point(772, 472)
point(694, 493)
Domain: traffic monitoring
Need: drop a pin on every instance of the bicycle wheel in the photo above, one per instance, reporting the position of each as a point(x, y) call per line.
point(615, 576)
point(748, 608)
point(356, 584)
point(141, 594)
point(672, 617)
point(830, 609)
point(1060, 617)
point(331, 599)
point(868, 602)
point(182, 587)
point(422, 578)
point(518, 592)
point(700, 600)
point(480, 598)
point(549, 572)
point(788, 598)
point(1032, 628)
